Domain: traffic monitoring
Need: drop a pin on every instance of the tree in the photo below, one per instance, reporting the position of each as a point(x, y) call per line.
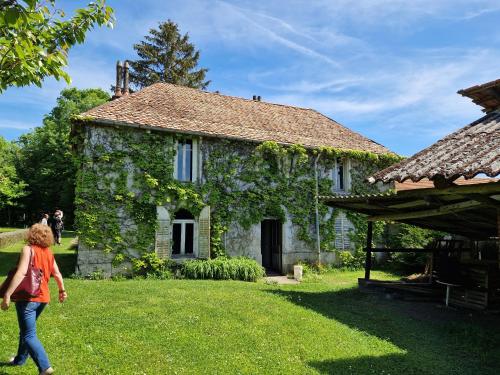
point(35, 38)
point(166, 56)
point(45, 160)
point(11, 186)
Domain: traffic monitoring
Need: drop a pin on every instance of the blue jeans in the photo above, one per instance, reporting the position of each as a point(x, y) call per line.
point(27, 314)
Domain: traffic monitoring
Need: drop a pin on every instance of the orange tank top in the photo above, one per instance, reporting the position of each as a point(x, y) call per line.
point(43, 259)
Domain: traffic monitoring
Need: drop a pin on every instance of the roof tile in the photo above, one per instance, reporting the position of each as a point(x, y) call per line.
point(185, 110)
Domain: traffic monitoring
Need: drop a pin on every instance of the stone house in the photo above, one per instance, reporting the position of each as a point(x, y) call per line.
point(185, 172)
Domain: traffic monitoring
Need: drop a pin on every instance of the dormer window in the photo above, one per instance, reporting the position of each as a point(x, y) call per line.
point(186, 160)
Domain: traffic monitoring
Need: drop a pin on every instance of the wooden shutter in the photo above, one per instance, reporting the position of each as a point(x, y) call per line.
point(342, 226)
point(204, 233)
point(162, 240)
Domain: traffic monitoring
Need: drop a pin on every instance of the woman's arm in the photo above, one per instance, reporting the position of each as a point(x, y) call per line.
point(60, 282)
point(22, 268)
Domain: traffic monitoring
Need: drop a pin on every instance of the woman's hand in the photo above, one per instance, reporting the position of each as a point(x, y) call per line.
point(62, 296)
point(5, 302)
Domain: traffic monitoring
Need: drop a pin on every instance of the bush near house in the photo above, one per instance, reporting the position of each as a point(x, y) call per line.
point(150, 266)
point(223, 268)
point(352, 260)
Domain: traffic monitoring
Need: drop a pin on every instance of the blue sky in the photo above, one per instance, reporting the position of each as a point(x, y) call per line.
point(388, 69)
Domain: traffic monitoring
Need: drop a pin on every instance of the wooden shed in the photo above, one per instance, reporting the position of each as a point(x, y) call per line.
point(469, 267)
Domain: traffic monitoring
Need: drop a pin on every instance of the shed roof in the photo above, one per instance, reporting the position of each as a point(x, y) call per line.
point(185, 110)
point(470, 210)
point(486, 95)
point(469, 151)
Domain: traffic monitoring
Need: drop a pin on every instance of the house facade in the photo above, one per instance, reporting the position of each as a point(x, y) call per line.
point(192, 174)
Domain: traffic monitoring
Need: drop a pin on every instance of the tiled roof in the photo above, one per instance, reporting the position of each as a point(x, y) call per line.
point(190, 111)
point(427, 184)
point(470, 151)
point(486, 95)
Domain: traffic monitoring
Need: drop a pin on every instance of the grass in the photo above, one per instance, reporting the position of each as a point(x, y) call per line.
point(5, 229)
point(322, 326)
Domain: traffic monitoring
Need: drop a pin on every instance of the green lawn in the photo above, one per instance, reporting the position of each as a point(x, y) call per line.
point(323, 326)
point(4, 229)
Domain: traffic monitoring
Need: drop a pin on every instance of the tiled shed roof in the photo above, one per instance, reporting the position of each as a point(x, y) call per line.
point(190, 111)
point(486, 95)
point(470, 151)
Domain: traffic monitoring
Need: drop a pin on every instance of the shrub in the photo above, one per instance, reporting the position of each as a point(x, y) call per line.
point(409, 236)
point(149, 265)
point(309, 268)
point(223, 268)
point(352, 261)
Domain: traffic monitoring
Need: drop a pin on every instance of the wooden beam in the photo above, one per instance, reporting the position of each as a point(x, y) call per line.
point(416, 250)
point(419, 202)
point(449, 208)
point(485, 188)
point(486, 200)
point(498, 236)
point(368, 261)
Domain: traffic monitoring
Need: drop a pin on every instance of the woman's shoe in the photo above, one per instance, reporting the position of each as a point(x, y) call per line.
point(12, 362)
point(48, 371)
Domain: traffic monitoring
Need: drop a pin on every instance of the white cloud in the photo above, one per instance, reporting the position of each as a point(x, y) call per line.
point(19, 125)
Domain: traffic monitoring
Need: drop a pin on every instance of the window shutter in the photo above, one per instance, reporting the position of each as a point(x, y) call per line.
point(204, 233)
point(162, 240)
point(342, 226)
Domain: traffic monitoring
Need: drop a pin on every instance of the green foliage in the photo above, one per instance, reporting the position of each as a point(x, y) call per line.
point(150, 265)
point(35, 37)
point(12, 188)
point(45, 159)
point(241, 182)
point(166, 56)
point(223, 268)
point(410, 236)
point(352, 260)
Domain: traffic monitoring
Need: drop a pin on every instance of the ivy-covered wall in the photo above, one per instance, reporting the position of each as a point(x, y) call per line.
point(126, 173)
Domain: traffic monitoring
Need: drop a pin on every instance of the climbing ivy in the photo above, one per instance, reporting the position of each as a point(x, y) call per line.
point(125, 173)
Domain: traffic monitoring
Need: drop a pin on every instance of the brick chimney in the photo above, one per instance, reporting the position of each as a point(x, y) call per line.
point(118, 84)
point(125, 90)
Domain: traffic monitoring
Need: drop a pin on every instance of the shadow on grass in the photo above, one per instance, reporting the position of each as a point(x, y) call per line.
point(359, 365)
point(436, 340)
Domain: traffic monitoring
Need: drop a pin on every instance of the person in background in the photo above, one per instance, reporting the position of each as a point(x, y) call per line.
point(28, 311)
point(45, 219)
point(57, 226)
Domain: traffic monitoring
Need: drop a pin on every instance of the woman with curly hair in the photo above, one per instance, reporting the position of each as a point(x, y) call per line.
point(39, 239)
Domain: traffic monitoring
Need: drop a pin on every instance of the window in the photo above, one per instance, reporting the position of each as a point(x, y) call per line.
point(339, 175)
point(184, 162)
point(183, 233)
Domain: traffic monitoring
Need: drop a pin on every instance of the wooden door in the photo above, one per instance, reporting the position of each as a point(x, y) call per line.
point(271, 234)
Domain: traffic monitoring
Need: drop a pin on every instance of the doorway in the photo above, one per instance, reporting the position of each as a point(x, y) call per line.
point(270, 244)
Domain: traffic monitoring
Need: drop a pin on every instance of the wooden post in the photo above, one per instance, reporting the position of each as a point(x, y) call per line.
point(498, 236)
point(368, 263)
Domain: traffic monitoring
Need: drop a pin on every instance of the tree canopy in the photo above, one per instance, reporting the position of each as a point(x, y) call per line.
point(45, 160)
point(11, 186)
point(35, 37)
point(167, 56)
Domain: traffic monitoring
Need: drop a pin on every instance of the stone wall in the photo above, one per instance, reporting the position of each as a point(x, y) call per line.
point(238, 241)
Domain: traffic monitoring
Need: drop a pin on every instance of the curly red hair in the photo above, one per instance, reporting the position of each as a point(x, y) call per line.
point(40, 235)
